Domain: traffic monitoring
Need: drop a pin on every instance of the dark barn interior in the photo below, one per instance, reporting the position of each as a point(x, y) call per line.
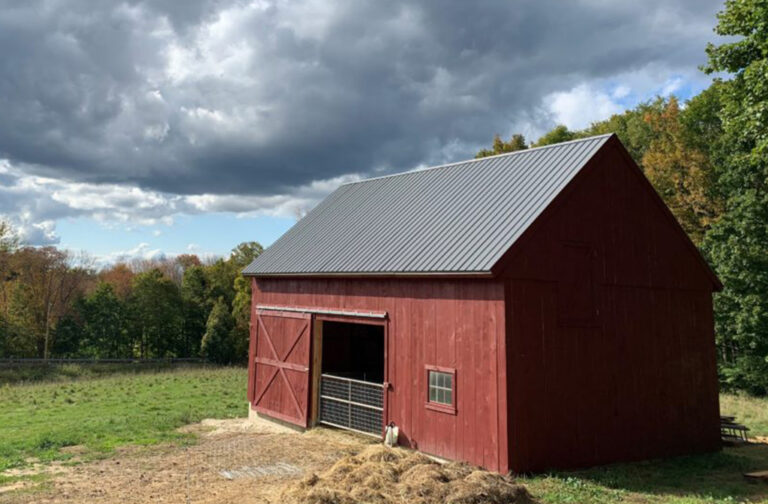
point(353, 351)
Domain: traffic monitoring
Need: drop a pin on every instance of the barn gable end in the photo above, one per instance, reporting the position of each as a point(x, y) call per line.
point(625, 200)
point(610, 331)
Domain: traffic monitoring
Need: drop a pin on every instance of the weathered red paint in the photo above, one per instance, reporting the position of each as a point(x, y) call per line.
point(610, 331)
point(592, 343)
point(449, 323)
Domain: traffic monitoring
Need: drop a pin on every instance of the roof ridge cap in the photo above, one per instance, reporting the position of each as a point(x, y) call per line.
point(455, 163)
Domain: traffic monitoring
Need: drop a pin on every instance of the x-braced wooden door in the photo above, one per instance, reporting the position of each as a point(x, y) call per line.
point(280, 365)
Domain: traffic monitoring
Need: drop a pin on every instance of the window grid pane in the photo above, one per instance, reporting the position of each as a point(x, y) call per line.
point(441, 388)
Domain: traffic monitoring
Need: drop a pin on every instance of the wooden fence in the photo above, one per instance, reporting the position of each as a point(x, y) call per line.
point(45, 362)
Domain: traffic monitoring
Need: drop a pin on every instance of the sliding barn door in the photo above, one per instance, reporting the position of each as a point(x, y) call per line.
point(281, 356)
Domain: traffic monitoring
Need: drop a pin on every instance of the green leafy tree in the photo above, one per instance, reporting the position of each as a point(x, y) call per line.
point(245, 253)
point(194, 288)
point(217, 345)
point(157, 315)
point(4, 338)
point(516, 143)
point(220, 279)
point(701, 126)
point(21, 338)
point(241, 315)
point(105, 324)
point(632, 127)
point(559, 134)
point(8, 239)
point(68, 342)
point(242, 255)
point(738, 242)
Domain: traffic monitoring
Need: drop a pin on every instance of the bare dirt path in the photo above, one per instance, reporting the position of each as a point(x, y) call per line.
point(233, 461)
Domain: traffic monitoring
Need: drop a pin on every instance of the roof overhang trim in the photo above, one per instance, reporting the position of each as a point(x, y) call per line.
point(325, 311)
point(415, 274)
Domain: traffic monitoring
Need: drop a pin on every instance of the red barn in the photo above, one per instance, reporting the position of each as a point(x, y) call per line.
point(534, 310)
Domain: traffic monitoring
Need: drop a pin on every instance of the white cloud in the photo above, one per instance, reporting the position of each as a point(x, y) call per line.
point(580, 106)
point(598, 99)
point(300, 200)
point(621, 91)
point(33, 203)
point(263, 107)
point(38, 233)
point(672, 86)
point(142, 251)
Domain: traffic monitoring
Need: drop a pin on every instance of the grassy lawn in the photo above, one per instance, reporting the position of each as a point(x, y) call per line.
point(750, 411)
point(709, 478)
point(99, 410)
point(139, 408)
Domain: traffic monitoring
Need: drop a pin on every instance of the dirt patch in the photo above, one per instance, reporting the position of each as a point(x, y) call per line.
point(234, 461)
point(37, 468)
point(11, 487)
point(384, 475)
point(217, 427)
point(74, 450)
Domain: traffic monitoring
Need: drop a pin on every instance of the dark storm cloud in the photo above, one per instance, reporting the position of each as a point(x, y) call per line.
point(236, 97)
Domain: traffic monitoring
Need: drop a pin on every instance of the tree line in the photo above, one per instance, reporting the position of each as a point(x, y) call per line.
point(54, 303)
point(708, 159)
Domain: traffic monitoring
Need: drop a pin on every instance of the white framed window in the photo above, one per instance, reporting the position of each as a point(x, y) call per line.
point(441, 389)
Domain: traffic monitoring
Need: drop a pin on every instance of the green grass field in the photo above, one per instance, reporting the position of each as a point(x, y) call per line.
point(145, 407)
point(99, 411)
point(710, 478)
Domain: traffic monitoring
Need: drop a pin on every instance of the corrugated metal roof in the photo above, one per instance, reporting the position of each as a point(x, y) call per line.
point(455, 218)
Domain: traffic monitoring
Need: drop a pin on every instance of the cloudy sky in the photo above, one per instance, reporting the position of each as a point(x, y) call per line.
point(138, 128)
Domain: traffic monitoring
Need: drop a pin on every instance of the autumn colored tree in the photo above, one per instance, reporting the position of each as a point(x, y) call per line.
point(681, 174)
point(52, 281)
point(515, 143)
point(120, 277)
point(187, 261)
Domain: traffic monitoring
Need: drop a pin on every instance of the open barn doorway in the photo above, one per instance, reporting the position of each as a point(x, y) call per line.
point(351, 382)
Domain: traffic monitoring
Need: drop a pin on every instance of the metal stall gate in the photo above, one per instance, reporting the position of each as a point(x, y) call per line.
point(352, 404)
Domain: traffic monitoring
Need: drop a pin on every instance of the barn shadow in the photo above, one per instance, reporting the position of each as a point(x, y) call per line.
point(718, 475)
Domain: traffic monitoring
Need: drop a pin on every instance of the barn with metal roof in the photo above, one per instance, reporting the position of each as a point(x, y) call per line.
point(534, 310)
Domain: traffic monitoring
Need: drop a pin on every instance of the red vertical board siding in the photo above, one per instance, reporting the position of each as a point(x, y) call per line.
point(639, 380)
point(451, 323)
point(627, 373)
point(252, 355)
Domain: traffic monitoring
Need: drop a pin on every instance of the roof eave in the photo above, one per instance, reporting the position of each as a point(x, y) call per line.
point(377, 274)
